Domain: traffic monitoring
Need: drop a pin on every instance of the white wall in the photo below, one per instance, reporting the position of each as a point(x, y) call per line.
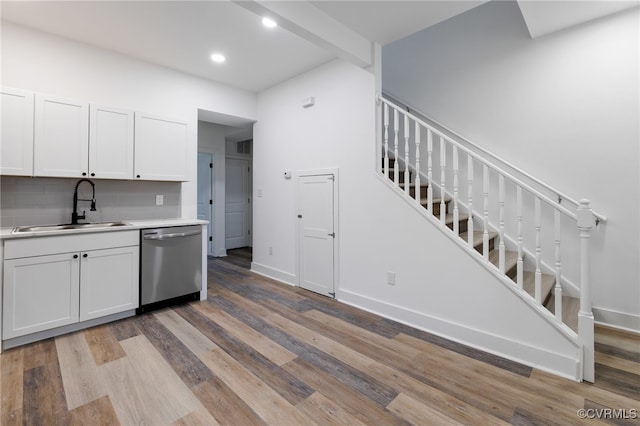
point(44, 63)
point(378, 231)
point(211, 139)
point(564, 107)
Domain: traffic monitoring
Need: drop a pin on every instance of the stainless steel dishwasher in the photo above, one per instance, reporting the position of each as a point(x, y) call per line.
point(170, 266)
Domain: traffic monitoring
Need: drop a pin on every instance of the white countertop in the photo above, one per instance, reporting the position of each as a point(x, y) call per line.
point(6, 233)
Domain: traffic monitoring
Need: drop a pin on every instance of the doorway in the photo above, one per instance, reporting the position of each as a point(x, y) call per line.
point(205, 195)
point(317, 220)
point(237, 203)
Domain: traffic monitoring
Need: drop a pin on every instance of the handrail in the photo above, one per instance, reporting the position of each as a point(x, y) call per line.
point(534, 191)
point(561, 196)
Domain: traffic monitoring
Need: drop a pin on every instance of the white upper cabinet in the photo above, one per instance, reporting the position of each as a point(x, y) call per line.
point(51, 136)
point(161, 148)
point(16, 143)
point(61, 137)
point(110, 143)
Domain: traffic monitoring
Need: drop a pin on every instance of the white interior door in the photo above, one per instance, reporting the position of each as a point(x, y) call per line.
point(237, 203)
point(316, 233)
point(205, 195)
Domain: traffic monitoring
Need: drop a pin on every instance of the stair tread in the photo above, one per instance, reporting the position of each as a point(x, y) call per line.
point(529, 284)
point(510, 258)
point(423, 200)
point(477, 236)
point(570, 309)
point(448, 219)
point(411, 185)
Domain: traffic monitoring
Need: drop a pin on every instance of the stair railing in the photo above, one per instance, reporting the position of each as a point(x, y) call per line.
point(446, 147)
point(559, 195)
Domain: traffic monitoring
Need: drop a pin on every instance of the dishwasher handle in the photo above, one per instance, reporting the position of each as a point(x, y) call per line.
point(155, 236)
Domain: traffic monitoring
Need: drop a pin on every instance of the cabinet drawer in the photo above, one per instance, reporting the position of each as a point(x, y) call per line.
point(40, 246)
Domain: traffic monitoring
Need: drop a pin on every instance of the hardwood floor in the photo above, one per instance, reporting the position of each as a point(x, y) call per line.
point(240, 257)
point(258, 352)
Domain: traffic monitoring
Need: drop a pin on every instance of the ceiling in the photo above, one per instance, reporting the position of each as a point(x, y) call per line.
point(387, 21)
point(545, 17)
point(178, 34)
point(183, 34)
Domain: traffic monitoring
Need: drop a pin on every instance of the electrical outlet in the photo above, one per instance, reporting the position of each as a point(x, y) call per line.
point(270, 250)
point(391, 278)
point(260, 192)
point(159, 200)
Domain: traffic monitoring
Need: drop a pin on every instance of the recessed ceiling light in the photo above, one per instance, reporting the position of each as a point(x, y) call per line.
point(218, 58)
point(269, 23)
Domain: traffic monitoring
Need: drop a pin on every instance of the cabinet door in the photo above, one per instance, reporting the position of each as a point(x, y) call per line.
point(110, 143)
point(109, 282)
point(40, 293)
point(161, 147)
point(61, 137)
point(16, 145)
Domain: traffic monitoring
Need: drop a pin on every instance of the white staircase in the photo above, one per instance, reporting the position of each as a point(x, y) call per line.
point(520, 227)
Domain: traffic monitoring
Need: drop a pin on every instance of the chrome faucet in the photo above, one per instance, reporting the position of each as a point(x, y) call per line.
point(75, 216)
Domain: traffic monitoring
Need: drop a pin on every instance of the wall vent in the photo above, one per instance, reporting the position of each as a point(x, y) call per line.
point(244, 147)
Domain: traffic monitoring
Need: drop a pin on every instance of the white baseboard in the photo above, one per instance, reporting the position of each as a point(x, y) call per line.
point(615, 319)
point(542, 359)
point(276, 274)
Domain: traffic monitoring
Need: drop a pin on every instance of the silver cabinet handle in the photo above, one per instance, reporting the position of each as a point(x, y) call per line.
point(168, 236)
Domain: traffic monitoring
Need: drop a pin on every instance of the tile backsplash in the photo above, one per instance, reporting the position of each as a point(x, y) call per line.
point(45, 201)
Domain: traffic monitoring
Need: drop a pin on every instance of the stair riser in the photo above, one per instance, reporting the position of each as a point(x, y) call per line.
point(400, 176)
point(423, 191)
point(511, 273)
point(436, 208)
point(462, 224)
point(492, 245)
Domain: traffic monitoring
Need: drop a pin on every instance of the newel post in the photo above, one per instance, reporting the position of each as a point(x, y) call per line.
point(585, 316)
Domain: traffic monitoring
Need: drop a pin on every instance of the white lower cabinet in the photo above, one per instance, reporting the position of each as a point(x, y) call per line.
point(108, 282)
point(91, 279)
point(40, 293)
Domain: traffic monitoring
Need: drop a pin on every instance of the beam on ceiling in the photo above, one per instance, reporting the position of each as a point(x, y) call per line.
point(315, 26)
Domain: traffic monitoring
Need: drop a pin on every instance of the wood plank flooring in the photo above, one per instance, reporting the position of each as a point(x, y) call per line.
point(258, 352)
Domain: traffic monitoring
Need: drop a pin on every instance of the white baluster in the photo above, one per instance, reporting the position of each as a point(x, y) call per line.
point(417, 178)
point(406, 155)
point(485, 232)
point(386, 140)
point(456, 214)
point(538, 276)
point(558, 286)
point(501, 260)
point(396, 164)
point(443, 165)
point(429, 171)
point(470, 199)
point(520, 264)
point(585, 315)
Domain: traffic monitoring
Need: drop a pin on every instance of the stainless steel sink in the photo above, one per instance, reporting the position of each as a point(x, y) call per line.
point(51, 228)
